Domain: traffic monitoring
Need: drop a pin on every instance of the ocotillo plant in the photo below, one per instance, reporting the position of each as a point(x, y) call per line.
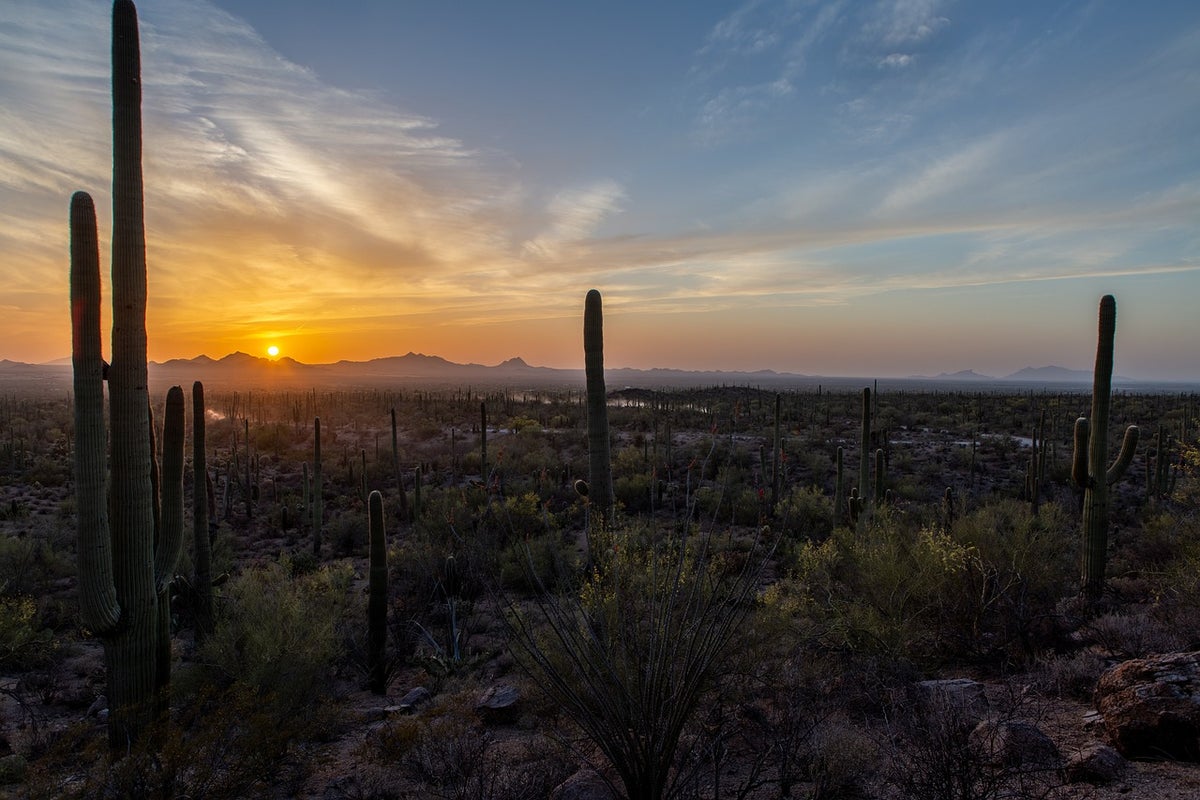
point(600, 484)
point(1089, 470)
point(117, 560)
point(377, 593)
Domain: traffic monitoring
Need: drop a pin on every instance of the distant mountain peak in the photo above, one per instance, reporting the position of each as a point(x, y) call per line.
point(961, 375)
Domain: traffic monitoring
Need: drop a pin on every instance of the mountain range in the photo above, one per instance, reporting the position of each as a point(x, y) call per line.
point(244, 370)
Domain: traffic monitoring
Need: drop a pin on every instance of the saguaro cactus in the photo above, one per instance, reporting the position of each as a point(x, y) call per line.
point(377, 592)
point(864, 458)
point(120, 574)
point(600, 485)
point(202, 550)
point(1089, 470)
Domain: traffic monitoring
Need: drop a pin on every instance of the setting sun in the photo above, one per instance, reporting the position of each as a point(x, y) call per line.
point(273, 351)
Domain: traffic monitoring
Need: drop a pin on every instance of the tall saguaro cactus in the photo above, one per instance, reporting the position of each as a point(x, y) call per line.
point(1089, 470)
point(600, 485)
point(121, 575)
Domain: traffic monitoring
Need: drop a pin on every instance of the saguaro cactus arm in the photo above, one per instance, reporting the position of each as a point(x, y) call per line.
point(97, 593)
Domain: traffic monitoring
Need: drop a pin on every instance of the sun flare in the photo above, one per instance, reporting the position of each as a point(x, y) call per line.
point(273, 351)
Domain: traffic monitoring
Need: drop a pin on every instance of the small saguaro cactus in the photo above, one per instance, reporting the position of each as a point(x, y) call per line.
point(864, 462)
point(483, 423)
point(1089, 469)
point(600, 485)
point(377, 593)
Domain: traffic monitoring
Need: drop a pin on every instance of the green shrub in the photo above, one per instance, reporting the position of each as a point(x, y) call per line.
point(278, 634)
point(24, 643)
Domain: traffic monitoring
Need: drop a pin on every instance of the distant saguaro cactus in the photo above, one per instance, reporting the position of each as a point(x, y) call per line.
point(864, 458)
point(1089, 470)
point(600, 485)
point(121, 576)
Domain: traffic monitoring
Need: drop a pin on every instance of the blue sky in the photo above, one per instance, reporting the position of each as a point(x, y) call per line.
point(840, 188)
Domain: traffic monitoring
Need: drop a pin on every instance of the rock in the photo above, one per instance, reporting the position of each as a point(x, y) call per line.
point(1151, 706)
point(1015, 743)
point(412, 700)
point(586, 784)
point(98, 705)
point(499, 703)
point(1096, 764)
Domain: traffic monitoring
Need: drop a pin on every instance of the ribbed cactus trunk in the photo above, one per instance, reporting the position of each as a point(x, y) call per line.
point(130, 653)
point(1091, 456)
point(377, 593)
point(117, 560)
point(600, 485)
point(170, 539)
point(201, 544)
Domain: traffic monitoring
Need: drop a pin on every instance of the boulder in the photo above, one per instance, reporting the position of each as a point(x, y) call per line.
point(412, 700)
point(1015, 743)
point(1151, 706)
point(586, 784)
point(499, 703)
point(1096, 764)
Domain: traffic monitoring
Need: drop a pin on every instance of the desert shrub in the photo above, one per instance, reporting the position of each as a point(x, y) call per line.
point(1022, 565)
point(28, 563)
point(25, 643)
point(1070, 674)
point(805, 513)
point(278, 634)
point(220, 744)
point(943, 747)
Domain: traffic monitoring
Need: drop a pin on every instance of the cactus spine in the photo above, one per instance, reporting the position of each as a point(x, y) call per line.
point(600, 485)
point(1089, 469)
point(377, 596)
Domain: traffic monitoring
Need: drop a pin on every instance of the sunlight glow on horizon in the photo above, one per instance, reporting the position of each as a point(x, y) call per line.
point(885, 189)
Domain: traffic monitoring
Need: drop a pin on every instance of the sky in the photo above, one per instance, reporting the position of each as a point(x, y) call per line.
point(860, 188)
